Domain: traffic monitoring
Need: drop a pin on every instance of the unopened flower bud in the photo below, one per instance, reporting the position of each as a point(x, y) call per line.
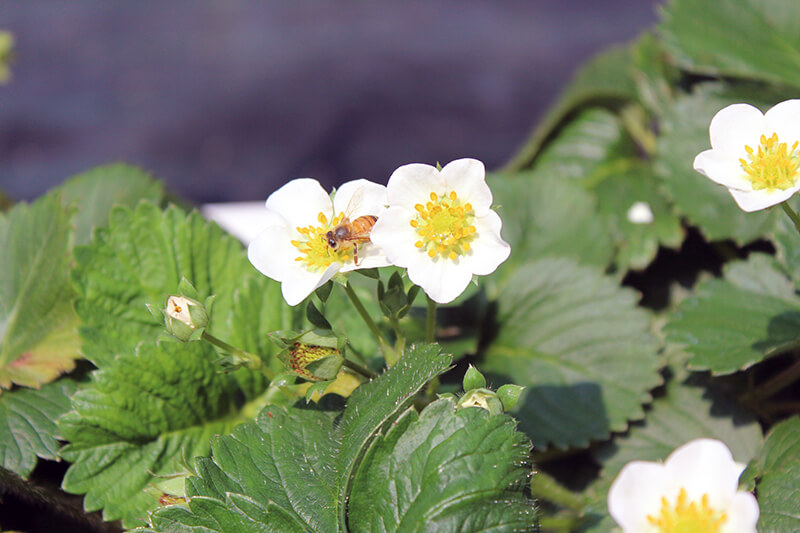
point(315, 363)
point(483, 398)
point(184, 316)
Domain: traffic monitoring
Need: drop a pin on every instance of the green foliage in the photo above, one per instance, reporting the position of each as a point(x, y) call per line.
point(737, 38)
point(581, 348)
point(295, 470)
point(732, 324)
point(37, 338)
point(778, 488)
point(28, 424)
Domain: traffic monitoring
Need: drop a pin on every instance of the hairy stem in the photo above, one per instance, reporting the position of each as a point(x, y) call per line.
point(388, 352)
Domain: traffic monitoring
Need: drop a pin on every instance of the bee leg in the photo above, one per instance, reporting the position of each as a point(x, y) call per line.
point(355, 253)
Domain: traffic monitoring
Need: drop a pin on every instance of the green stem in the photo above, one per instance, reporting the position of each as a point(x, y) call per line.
point(252, 361)
point(388, 352)
point(430, 323)
point(546, 487)
point(400, 338)
point(776, 384)
point(792, 215)
point(355, 367)
point(557, 524)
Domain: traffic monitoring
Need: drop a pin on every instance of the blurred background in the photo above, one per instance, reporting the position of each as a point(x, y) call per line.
point(226, 101)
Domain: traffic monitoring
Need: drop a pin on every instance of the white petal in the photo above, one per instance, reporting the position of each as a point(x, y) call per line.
point(742, 514)
point(722, 169)
point(272, 253)
point(243, 220)
point(488, 250)
point(468, 178)
point(635, 494)
point(736, 126)
point(784, 119)
point(640, 213)
point(704, 466)
point(300, 202)
point(300, 282)
point(441, 279)
point(360, 197)
point(394, 235)
point(412, 184)
point(369, 256)
point(755, 200)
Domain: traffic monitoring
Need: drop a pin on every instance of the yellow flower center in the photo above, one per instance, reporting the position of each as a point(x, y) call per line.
point(773, 165)
point(313, 245)
point(444, 226)
point(687, 516)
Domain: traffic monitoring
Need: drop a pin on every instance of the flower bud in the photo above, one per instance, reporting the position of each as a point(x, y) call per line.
point(314, 363)
point(184, 316)
point(483, 398)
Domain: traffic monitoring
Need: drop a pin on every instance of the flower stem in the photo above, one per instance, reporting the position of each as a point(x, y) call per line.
point(546, 487)
point(777, 383)
point(430, 323)
point(355, 367)
point(792, 215)
point(388, 352)
point(250, 360)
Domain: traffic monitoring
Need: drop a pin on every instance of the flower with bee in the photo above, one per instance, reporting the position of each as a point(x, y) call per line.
point(311, 236)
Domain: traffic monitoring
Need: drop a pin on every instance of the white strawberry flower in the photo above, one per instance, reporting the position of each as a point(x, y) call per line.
point(694, 491)
point(293, 248)
point(440, 226)
point(755, 155)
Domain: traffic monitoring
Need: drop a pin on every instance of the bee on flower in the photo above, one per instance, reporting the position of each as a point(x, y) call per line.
point(440, 226)
point(310, 236)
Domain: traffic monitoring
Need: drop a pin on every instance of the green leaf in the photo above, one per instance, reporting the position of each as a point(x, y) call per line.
point(151, 404)
point(606, 78)
point(684, 134)
point(544, 215)
point(140, 415)
point(140, 259)
point(95, 192)
point(688, 410)
point(292, 469)
point(37, 324)
point(738, 38)
point(778, 488)
point(731, 324)
point(444, 470)
point(28, 424)
point(581, 348)
point(787, 245)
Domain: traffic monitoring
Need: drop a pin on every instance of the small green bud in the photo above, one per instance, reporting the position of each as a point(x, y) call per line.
point(509, 395)
point(483, 398)
point(473, 379)
point(184, 316)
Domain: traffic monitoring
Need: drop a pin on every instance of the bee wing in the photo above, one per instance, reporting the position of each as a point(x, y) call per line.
point(355, 203)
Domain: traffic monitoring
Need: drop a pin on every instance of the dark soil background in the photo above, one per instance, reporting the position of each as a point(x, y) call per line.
point(228, 100)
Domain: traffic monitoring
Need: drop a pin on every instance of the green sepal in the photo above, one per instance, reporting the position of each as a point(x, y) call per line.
point(509, 394)
point(317, 388)
point(324, 291)
point(315, 317)
point(371, 273)
point(473, 379)
point(483, 398)
point(185, 288)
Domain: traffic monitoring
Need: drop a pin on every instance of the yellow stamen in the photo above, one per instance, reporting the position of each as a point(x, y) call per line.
point(445, 226)
point(314, 249)
point(686, 516)
point(773, 165)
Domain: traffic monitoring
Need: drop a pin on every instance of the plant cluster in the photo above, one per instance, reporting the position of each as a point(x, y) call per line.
point(602, 336)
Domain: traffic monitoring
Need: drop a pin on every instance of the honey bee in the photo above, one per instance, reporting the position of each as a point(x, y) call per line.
point(350, 233)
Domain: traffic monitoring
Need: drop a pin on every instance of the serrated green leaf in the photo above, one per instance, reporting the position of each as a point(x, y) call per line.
point(138, 417)
point(654, 75)
point(778, 488)
point(437, 471)
point(581, 348)
point(606, 78)
point(28, 424)
point(684, 134)
point(688, 410)
point(738, 38)
point(95, 192)
point(37, 324)
point(140, 259)
point(295, 462)
point(544, 215)
point(732, 324)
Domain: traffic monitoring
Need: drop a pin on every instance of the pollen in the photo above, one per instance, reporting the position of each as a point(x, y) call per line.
point(444, 226)
point(685, 516)
point(773, 165)
point(313, 247)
